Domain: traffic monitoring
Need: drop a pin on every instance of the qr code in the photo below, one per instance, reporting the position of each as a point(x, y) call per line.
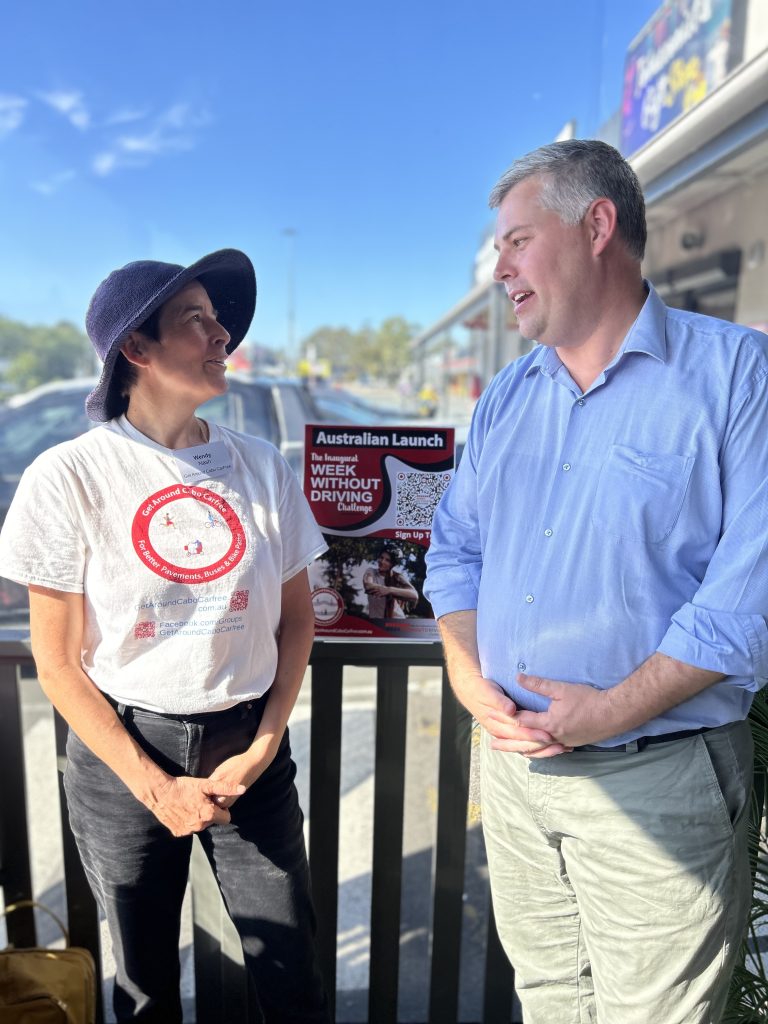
point(144, 630)
point(239, 601)
point(417, 495)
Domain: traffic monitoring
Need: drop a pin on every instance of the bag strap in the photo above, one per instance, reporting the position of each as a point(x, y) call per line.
point(26, 904)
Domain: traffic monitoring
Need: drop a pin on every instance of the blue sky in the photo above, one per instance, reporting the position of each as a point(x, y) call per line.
point(165, 130)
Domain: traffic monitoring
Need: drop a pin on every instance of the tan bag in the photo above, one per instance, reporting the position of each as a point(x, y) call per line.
point(47, 986)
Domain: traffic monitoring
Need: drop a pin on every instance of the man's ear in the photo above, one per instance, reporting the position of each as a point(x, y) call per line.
point(602, 222)
point(134, 348)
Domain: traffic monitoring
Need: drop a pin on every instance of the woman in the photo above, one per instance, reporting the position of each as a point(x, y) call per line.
point(175, 650)
point(389, 592)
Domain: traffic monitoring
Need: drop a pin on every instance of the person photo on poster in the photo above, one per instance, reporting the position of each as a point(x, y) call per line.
point(390, 594)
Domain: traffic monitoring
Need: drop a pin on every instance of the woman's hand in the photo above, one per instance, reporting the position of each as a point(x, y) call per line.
point(242, 770)
point(186, 805)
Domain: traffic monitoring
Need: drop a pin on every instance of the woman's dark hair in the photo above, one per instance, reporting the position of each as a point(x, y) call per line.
point(151, 326)
point(394, 554)
point(125, 375)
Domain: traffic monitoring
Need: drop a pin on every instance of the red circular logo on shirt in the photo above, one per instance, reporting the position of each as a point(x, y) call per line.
point(188, 534)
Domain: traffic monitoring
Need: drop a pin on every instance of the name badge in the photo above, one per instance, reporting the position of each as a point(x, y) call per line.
point(203, 462)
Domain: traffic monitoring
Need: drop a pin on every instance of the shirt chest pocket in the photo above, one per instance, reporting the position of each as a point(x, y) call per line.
point(639, 495)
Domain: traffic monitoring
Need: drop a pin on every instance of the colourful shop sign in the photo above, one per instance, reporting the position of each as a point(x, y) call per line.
point(682, 55)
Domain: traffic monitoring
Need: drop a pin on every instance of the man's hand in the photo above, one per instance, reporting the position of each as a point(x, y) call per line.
point(186, 805)
point(498, 715)
point(578, 714)
point(483, 698)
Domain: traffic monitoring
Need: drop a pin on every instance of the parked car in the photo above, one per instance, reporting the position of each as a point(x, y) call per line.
point(275, 409)
point(337, 405)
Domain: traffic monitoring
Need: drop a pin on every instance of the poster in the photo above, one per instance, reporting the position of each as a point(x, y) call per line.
point(373, 491)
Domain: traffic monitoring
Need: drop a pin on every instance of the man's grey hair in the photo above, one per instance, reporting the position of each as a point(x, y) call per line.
point(573, 174)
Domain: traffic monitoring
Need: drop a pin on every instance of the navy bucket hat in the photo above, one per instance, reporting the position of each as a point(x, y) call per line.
point(130, 295)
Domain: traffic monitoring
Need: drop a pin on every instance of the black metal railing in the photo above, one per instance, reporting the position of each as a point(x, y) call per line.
point(221, 981)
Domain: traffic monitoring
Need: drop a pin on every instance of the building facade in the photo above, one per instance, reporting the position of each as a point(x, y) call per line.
point(693, 122)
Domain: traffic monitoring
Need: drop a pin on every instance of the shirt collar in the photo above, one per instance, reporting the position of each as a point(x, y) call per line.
point(647, 334)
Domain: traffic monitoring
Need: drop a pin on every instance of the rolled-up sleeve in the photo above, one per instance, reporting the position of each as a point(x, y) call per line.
point(723, 627)
point(736, 645)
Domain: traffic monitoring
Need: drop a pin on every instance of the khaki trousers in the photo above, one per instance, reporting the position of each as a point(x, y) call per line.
point(620, 881)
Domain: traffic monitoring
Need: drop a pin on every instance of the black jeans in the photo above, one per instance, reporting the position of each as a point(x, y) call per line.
point(138, 870)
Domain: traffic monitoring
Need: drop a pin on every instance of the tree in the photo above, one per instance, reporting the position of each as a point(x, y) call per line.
point(748, 996)
point(338, 345)
point(342, 556)
point(382, 352)
point(390, 351)
point(34, 354)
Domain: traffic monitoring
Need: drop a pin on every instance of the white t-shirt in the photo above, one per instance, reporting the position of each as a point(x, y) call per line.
point(181, 567)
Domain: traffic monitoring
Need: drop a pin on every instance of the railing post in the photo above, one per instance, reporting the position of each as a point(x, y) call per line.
point(389, 788)
point(450, 851)
point(15, 875)
point(324, 806)
point(82, 912)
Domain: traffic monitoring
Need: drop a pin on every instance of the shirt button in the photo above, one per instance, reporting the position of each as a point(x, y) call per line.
point(581, 401)
point(547, 533)
point(529, 598)
point(521, 666)
point(566, 466)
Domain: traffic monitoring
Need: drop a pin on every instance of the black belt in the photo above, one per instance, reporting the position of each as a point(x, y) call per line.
point(235, 712)
point(642, 742)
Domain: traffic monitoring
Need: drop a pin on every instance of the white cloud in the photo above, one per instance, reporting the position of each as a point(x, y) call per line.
point(104, 164)
point(49, 186)
point(173, 131)
point(12, 109)
point(153, 143)
point(70, 104)
point(125, 116)
point(182, 116)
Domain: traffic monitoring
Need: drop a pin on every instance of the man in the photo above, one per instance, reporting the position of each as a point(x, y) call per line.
point(599, 569)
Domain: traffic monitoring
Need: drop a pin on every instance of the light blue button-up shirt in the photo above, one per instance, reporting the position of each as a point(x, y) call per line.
point(591, 530)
